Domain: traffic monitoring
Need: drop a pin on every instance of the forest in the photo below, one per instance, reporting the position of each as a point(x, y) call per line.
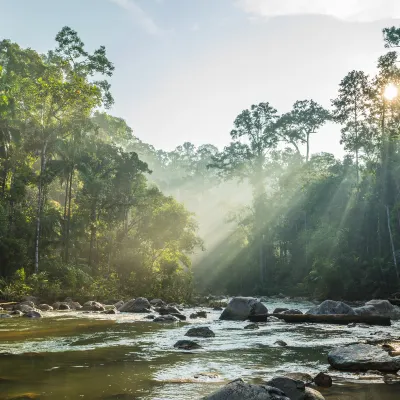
point(89, 210)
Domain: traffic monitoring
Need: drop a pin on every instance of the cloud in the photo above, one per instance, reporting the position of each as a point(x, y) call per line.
point(139, 16)
point(349, 10)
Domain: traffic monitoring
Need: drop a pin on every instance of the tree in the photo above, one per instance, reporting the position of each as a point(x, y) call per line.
point(351, 110)
point(296, 126)
point(254, 136)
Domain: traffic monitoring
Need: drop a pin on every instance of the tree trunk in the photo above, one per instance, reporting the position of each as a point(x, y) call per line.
point(39, 205)
point(69, 216)
point(391, 243)
point(92, 234)
point(308, 147)
point(65, 217)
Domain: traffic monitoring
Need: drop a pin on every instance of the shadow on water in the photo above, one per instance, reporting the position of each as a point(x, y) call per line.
point(92, 356)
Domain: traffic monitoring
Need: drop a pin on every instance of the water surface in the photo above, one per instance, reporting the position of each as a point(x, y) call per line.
point(74, 355)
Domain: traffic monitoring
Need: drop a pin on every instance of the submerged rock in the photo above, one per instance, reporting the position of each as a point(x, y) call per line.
point(240, 308)
point(281, 343)
point(179, 316)
point(150, 316)
point(165, 310)
point(239, 390)
point(251, 326)
point(139, 305)
point(5, 316)
point(362, 357)
point(187, 345)
point(33, 314)
point(201, 331)
point(166, 318)
point(331, 307)
point(17, 313)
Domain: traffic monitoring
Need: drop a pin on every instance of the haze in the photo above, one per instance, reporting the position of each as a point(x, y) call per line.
point(185, 69)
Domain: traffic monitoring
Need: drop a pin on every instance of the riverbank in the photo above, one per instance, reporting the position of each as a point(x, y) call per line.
point(72, 354)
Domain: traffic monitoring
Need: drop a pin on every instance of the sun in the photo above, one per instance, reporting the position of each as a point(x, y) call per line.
point(390, 92)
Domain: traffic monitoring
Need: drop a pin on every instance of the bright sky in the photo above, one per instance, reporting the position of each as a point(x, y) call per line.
point(186, 68)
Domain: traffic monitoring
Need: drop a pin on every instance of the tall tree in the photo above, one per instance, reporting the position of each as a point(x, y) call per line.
point(351, 110)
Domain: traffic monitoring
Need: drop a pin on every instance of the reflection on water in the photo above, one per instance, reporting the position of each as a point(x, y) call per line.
point(94, 356)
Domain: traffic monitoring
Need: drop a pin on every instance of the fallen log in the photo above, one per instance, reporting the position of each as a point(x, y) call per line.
point(339, 319)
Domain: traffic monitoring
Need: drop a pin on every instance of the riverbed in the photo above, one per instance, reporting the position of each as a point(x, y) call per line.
point(76, 355)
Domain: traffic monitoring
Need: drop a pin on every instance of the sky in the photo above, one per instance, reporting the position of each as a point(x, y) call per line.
point(186, 68)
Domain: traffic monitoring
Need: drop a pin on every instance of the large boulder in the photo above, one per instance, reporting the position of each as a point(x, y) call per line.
point(379, 307)
point(240, 308)
point(201, 331)
point(331, 307)
point(294, 389)
point(239, 390)
point(165, 310)
point(139, 305)
point(362, 357)
point(119, 304)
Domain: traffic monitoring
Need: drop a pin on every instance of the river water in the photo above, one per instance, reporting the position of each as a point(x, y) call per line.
point(75, 355)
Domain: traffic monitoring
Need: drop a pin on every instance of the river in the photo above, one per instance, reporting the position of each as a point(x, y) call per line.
point(75, 355)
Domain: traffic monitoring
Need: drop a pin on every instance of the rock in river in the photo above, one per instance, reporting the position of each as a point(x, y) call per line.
point(33, 314)
point(323, 380)
point(362, 357)
point(166, 318)
point(240, 308)
point(292, 388)
point(139, 305)
point(239, 390)
point(252, 326)
point(331, 307)
point(187, 345)
point(379, 307)
point(312, 394)
point(93, 306)
point(201, 331)
point(45, 307)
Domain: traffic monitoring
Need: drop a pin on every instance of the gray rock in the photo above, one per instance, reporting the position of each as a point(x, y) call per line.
point(280, 310)
point(45, 307)
point(281, 343)
point(33, 314)
point(362, 357)
point(166, 318)
point(202, 314)
point(187, 345)
point(201, 331)
point(391, 379)
point(23, 307)
point(240, 308)
point(17, 313)
point(139, 305)
point(193, 316)
point(111, 311)
point(323, 380)
point(150, 316)
point(5, 316)
point(239, 390)
point(93, 306)
point(312, 394)
point(119, 304)
point(292, 312)
point(64, 306)
point(157, 302)
point(28, 303)
point(251, 326)
point(32, 299)
point(331, 307)
point(165, 310)
point(292, 388)
point(299, 376)
point(379, 307)
point(179, 316)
